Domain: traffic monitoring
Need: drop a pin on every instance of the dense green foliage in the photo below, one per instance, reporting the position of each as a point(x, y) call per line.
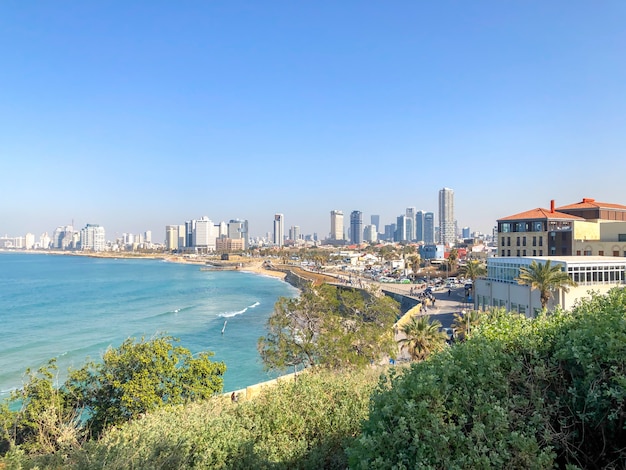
point(519, 393)
point(332, 327)
point(137, 377)
point(305, 424)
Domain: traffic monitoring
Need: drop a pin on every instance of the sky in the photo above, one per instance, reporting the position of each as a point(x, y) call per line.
point(137, 115)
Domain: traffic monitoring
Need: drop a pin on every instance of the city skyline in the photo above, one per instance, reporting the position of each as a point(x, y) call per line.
point(141, 116)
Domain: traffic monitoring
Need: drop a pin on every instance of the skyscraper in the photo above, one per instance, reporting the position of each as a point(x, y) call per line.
point(336, 225)
point(401, 228)
point(419, 226)
point(410, 223)
point(375, 220)
point(429, 228)
point(356, 227)
point(279, 229)
point(446, 216)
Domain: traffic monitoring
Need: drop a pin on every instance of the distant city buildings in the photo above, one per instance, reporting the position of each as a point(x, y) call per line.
point(429, 228)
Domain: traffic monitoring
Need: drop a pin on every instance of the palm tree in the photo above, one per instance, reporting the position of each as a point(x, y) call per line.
point(453, 258)
point(423, 337)
point(465, 322)
point(414, 263)
point(546, 278)
point(473, 270)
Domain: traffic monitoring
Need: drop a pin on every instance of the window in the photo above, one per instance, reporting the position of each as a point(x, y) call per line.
point(540, 241)
point(524, 253)
point(621, 237)
point(517, 253)
point(534, 241)
point(540, 252)
point(538, 226)
point(552, 250)
point(508, 253)
point(523, 241)
point(615, 253)
point(534, 252)
point(587, 252)
point(508, 241)
point(577, 252)
point(502, 253)
point(601, 253)
point(502, 241)
point(517, 241)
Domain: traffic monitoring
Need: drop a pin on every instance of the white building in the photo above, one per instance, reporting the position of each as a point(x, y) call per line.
point(92, 238)
point(279, 230)
point(447, 232)
point(500, 289)
point(336, 225)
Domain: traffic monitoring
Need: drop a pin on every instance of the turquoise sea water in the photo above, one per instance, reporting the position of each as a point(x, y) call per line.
point(73, 307)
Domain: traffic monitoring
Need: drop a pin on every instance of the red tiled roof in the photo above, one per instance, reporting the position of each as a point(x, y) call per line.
point(589, 203)
point(541, 214)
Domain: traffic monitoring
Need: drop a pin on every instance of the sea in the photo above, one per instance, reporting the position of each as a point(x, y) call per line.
point(73, 308)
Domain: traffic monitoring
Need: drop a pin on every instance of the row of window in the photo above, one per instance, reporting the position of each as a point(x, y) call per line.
point(523, 252)
point(521, 241)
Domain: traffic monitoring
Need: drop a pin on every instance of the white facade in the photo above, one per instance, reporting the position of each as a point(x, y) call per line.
point(204, 234)
point(500, 289)
point(370, 233)
point(92, 238)
point(447, 230)
point(336, 225)
point(279, 230)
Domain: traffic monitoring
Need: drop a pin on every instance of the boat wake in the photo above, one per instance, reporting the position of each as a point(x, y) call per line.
point(238, 312)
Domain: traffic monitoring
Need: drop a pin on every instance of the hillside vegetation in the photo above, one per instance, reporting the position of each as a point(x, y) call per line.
point(518, 394)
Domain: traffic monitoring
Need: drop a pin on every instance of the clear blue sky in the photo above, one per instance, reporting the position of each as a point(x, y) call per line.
point(139, 114)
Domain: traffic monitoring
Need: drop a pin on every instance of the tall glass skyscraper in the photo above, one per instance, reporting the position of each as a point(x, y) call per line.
point(429, 228)
point(410, 223)
point(419, 226)
point(446, 217)
point(375, 220)
point(356, 227)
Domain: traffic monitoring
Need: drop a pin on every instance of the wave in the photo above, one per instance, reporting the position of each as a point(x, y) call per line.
point(238, 312)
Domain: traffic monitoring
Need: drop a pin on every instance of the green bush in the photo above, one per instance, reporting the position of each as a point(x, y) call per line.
point(520, 394)
point(302, 424)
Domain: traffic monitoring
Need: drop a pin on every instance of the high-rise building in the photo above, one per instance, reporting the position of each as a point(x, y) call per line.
point(410, 223)
point(92, 238)
point(419, 226)
point(370, 234)
point(356, 227)
point(279, 230)
point(336, 225)
point(238, 229)
point(204, 234)
point(466, 232)
point(375, 220)
point(171, 237)
point(429, 228)
point(294, 232)
point(401, 229)
point(446, 217)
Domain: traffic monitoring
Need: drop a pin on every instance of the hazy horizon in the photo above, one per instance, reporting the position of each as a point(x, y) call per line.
point(134, 116)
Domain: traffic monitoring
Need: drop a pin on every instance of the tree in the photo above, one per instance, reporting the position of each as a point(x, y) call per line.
point(141, 376)
point(465, 322)
point(414, 263)
point(473, 270)
point(453, 259)
point(329, 327)
point(546, 278)
point(423, 337)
